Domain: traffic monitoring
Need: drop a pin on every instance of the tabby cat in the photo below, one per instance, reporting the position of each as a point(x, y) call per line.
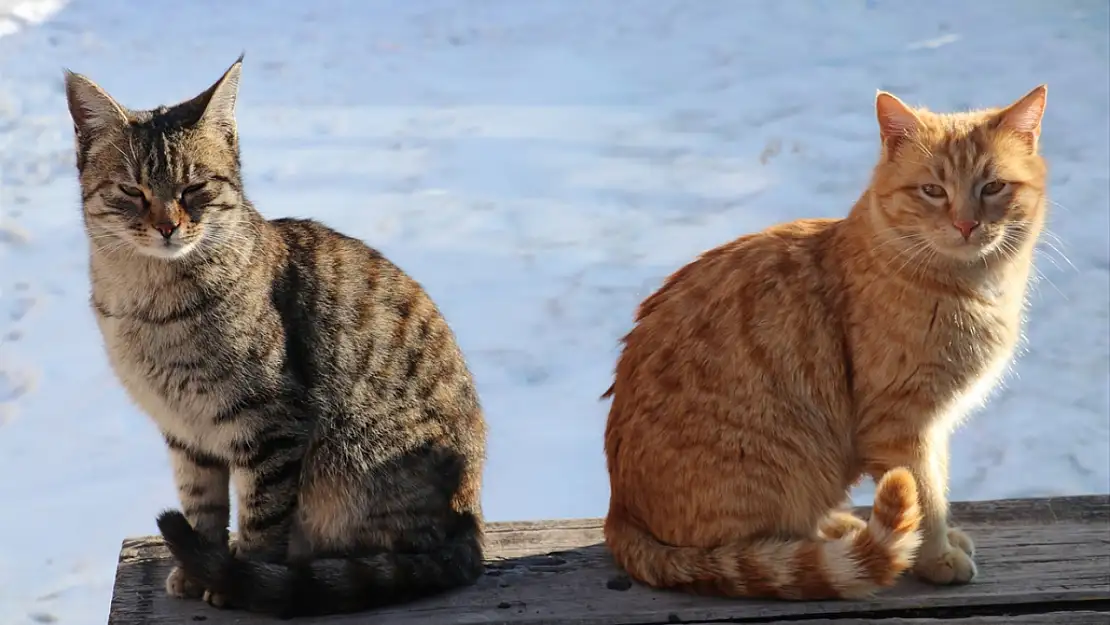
point(282, 357)
point(766, 377)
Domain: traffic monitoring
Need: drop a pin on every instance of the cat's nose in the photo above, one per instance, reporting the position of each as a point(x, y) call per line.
point(965, 226)
point(166, 228)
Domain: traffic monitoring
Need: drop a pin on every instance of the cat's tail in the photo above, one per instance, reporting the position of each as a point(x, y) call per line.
point(326, 586)
point(853, 566)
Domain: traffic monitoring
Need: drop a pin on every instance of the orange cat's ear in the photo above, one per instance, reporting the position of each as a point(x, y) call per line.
point(1024, 116)
point(896, 120)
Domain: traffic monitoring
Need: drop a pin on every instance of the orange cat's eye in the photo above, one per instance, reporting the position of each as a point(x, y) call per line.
point(933, 191)
point(992, 188)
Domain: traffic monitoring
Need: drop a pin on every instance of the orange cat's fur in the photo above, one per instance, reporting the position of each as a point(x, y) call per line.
point(762, 380)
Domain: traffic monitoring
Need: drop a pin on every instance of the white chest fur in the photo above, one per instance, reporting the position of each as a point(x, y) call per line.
point(152, 364)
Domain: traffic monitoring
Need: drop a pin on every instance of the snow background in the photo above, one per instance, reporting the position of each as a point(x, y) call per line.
point(539, 166)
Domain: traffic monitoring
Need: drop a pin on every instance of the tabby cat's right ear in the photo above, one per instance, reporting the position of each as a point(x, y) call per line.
point(896, 120)
point(91, 108)
point(216, 105)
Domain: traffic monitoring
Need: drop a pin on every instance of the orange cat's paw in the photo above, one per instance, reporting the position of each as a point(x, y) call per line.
point(954, 566)
point(839, 524)
point(180, 586)
point(957, 538)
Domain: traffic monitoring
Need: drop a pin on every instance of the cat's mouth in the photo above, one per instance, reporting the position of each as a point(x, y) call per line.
point(970, 249)
point(168, 249)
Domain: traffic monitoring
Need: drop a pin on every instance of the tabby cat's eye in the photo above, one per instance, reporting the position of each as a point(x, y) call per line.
point(933, 191)
point(191, 189)
point(992, 188)
point(127, 189)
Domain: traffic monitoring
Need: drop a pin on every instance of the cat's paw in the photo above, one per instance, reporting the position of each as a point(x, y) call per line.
point(957, 538)
point(181, 586)
point(216, 600)
point(839, 524)
point(954, 566)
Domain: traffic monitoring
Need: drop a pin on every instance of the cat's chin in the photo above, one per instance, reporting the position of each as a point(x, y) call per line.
point(174, 251)
point(965, 251)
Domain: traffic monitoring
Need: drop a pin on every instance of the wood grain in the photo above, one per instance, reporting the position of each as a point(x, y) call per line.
point(1035, 557)
point(1052, 618)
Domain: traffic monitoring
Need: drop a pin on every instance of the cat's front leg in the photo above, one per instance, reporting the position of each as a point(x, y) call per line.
point(267, 481)
point(946, 553)
point(202, 488)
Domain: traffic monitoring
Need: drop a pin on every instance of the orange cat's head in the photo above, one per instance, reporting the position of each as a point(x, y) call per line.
point(962, 185)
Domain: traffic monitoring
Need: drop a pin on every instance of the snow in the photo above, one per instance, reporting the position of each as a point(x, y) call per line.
point(539, 167)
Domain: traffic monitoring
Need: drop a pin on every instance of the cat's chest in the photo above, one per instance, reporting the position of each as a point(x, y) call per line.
point(178, 376)
point(947, 356)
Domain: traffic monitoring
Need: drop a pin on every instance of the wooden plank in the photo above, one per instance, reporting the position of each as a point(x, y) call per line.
point(1034, 556)
point(1051, 618)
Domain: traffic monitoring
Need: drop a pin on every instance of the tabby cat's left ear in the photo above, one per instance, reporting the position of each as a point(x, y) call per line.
point(91, 108)
point(1024, 116)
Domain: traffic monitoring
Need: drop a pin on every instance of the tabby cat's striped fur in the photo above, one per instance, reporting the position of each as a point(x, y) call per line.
point(283, 357)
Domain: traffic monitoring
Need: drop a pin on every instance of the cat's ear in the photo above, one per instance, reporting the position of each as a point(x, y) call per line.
point(896, 120)
point(1024, 116)
point(216, 105)
point(91, 108)
point(221, 103)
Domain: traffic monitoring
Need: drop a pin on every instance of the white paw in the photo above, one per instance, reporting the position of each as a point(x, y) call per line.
point(954, 566)
point(180, 586)
point(215, 600)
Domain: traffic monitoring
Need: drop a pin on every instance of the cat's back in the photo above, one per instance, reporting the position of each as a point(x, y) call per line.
point(755, 277)
point(340, 279)
point(762, 305)
point(364, 322)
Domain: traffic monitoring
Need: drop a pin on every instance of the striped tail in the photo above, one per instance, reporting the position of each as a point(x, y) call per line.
point(854, 566)
point(326, 586)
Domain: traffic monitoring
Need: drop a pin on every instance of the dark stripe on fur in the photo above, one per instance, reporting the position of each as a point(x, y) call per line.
point(195, 308)
point(199, 458)
point(253, 453)
point(331, 586)
point(88, 195)
point(101, 309)
point(270, 517)
point(247, 403)
point(234, 184)
point(275, 475)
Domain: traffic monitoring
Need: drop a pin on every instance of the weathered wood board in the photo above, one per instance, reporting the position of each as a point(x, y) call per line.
point(1039, 561)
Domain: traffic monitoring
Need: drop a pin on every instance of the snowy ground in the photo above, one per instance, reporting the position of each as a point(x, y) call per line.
point(540, 166)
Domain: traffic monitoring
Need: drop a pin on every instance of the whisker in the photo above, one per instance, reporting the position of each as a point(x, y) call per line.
point(917, 251)
point(1058, 205)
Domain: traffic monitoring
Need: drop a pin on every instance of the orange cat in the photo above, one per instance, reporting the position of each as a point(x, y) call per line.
point(766, 377)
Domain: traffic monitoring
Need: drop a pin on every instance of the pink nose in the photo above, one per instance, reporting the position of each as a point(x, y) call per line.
point(965, 227)
point(166, 228)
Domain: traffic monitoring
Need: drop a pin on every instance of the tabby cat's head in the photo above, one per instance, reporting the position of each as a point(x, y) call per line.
point(163, 181)
point(961, 185)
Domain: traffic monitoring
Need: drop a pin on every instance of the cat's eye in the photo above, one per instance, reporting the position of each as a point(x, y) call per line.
point(934, 191)
point(994, 187)
point(131, 191)
point(191, 189)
